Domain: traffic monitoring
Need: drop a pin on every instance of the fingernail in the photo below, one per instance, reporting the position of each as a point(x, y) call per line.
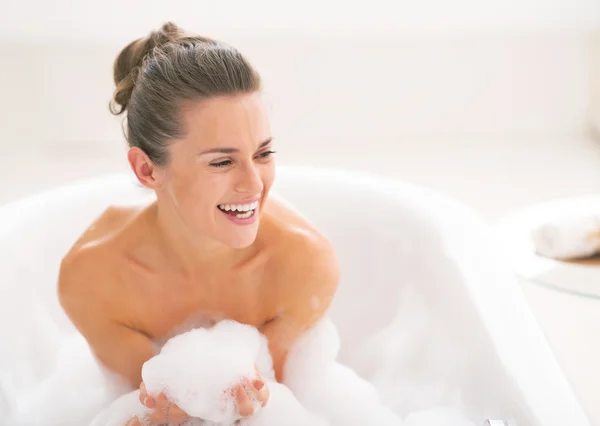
point(258, 384)
point(149, 403)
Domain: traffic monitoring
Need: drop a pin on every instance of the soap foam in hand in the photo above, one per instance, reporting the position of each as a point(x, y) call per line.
point(196, 369)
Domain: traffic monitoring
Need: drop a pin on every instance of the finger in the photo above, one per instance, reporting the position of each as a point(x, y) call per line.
point(258, 375)
point(259, 383)
point(261, 387)
point(146, 399)
point(162, 402)
point(244, 404)
point(176, 414)
point(165, 410)
point(158, 417)
point(259, 390)
point(143, 394)
point(161, 417)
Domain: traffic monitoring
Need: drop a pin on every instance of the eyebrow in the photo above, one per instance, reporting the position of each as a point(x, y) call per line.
point(224, 150)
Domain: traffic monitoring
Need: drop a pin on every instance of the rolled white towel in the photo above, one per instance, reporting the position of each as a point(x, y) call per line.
point(568, 237)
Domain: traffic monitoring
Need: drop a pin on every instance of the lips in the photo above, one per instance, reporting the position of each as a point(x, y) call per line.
point(243, 211)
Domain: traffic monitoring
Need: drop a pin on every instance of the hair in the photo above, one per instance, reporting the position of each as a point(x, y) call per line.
point(155, 75)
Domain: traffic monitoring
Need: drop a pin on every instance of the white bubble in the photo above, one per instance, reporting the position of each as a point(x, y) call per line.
point(194, 368)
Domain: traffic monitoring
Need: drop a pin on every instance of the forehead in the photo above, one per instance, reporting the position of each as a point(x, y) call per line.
point(227, 121)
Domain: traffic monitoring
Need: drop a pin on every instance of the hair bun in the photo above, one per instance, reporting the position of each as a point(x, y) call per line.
point(130, 60)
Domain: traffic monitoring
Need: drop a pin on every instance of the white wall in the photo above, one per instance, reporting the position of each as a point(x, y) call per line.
point(400, 87)
point(426, 70)
point(115, 18)
point(504, 89)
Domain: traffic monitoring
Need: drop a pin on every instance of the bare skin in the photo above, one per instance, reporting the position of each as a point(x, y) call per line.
point(139, 276)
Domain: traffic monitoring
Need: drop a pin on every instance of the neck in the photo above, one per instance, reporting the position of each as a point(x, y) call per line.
point(191, 251)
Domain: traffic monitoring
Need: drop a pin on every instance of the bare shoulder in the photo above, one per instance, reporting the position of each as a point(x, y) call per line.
point(294, 236)
point(103, 228)
point(84, 273)
point(304, 260)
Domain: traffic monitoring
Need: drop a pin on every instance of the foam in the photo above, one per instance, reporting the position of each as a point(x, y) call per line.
point(65, 386)
point(195, 367)
point(329, 388)
point(69, 391)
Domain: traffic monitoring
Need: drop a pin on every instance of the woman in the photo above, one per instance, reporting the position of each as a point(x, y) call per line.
point(213, 244)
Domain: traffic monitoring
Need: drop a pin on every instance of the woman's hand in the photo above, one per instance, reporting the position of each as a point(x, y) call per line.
point(163, 410)
point(248, 391)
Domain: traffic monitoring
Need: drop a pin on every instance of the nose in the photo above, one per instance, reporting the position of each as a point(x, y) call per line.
point(249, 180)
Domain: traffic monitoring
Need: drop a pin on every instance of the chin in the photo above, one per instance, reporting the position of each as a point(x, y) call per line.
point(236, 229)
point(238, 237)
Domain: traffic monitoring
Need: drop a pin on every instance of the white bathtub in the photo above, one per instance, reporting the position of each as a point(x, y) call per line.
point(465, 326)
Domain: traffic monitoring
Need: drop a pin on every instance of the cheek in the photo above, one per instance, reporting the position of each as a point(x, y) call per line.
point(196, 192)
point(268, 175)
point(182, 186)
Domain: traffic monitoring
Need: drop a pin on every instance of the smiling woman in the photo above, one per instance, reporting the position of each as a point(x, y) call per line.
point(212, 245)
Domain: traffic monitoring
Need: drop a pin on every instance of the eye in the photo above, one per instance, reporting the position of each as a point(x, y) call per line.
point(266, 154)
point(223, 163)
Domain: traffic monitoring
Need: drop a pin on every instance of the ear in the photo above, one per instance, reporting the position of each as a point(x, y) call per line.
point(147, 173)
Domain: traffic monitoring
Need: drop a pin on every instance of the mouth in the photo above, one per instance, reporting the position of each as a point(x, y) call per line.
point(239, 211)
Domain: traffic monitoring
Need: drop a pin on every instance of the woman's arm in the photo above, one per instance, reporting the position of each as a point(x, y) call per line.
point(308, 271)
point(119, 348)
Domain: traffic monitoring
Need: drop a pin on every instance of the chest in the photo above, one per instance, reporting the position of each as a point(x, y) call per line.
point(167, 305)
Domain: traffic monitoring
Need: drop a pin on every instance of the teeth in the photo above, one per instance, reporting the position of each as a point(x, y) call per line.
point(245, 215)
point(239, 207)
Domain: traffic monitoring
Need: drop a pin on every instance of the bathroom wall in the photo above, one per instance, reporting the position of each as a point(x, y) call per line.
point(334, 88)
point(463, 96)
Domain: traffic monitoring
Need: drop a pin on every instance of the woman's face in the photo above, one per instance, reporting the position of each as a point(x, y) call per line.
point(219, 175)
